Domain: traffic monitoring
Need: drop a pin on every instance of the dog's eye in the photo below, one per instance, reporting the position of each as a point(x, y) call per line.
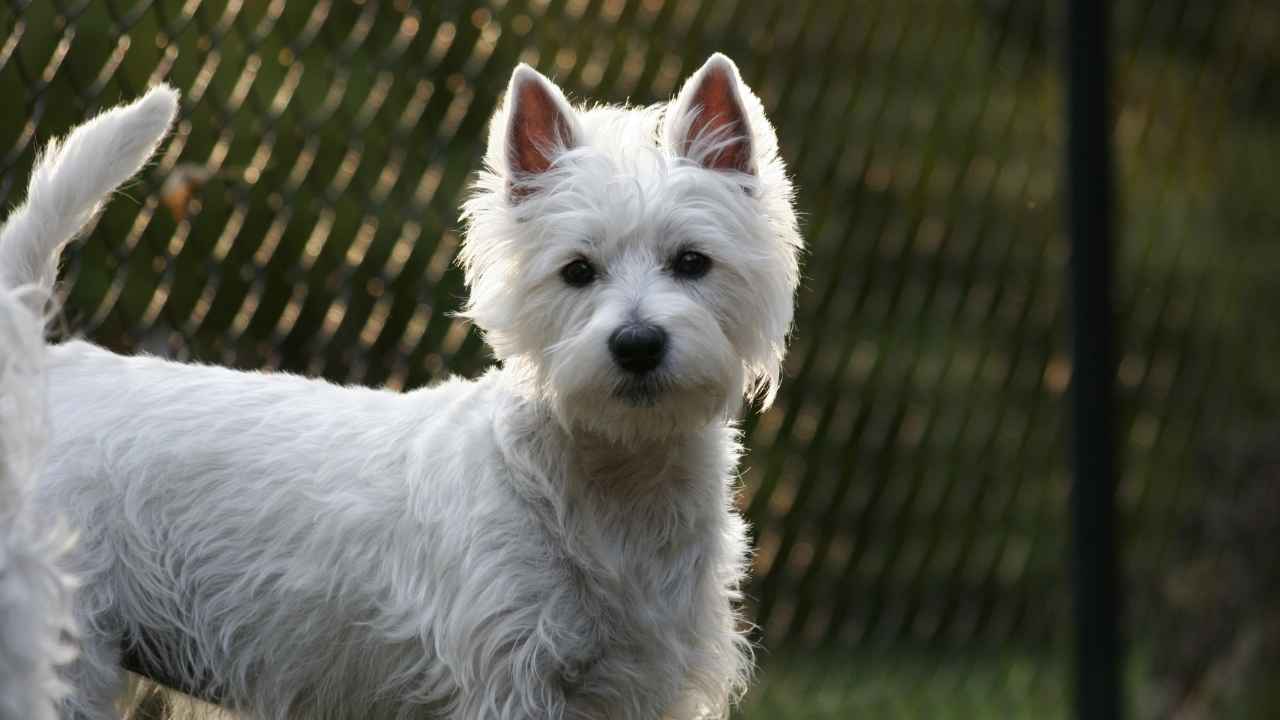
point(690, 264)
point(578, 273)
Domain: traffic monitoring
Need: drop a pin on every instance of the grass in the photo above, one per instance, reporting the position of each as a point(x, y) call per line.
point(966, 686)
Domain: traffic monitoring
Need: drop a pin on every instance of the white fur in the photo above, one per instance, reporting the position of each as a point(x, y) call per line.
point(524, 545)
point(35, 608)
point(71, 179)
point(67, 186)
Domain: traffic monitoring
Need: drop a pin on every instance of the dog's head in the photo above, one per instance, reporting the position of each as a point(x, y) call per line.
point(638, 266)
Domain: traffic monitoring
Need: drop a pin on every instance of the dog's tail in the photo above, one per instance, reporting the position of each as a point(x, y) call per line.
point(69, 183)
point(71, 179)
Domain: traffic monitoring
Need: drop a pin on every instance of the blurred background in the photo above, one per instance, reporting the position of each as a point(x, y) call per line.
point(909, 488)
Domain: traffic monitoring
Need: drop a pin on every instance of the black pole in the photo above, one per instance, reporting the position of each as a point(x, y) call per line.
point(1094, 562)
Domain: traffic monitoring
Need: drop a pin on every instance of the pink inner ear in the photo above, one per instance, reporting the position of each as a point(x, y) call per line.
point(538, 127)
point(720, 113)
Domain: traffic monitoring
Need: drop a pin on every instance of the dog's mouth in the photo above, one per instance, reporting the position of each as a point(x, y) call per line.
point(642, 391)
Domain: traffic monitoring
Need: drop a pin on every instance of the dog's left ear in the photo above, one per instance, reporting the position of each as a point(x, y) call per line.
point(708, 123)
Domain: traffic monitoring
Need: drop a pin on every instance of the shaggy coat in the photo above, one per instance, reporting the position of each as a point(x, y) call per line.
point(556, 539)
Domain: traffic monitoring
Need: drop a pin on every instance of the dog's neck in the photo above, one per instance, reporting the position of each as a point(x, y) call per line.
point(643, 464)
point(622, 516)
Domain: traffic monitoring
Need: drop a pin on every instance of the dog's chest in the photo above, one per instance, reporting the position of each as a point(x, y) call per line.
point(631, 564)
point(633, 603)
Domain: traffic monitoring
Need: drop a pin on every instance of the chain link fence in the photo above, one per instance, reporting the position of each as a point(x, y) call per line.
point(909, 488)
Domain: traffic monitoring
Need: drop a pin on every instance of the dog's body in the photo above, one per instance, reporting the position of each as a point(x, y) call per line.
point(556, 539)
point(396, 547)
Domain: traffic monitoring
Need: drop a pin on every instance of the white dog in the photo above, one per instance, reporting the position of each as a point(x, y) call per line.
point(556, 539)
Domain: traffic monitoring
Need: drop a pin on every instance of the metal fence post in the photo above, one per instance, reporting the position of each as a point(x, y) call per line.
point(1094, 547)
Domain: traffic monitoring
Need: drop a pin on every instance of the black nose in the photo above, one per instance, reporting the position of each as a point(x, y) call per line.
point(638, 347)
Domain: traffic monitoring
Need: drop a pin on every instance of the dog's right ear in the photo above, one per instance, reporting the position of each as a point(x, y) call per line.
point(708, 122)
point(540, 127)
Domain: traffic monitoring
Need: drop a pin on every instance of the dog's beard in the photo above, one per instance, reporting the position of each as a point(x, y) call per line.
point(632, 409)
point(641, 412)
point(641, 392)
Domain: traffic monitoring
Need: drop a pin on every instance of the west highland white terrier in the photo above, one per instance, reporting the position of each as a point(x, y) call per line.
point(556, 539)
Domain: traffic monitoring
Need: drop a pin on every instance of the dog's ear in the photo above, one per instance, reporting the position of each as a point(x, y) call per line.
point(708, 123)
point(540, 126)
